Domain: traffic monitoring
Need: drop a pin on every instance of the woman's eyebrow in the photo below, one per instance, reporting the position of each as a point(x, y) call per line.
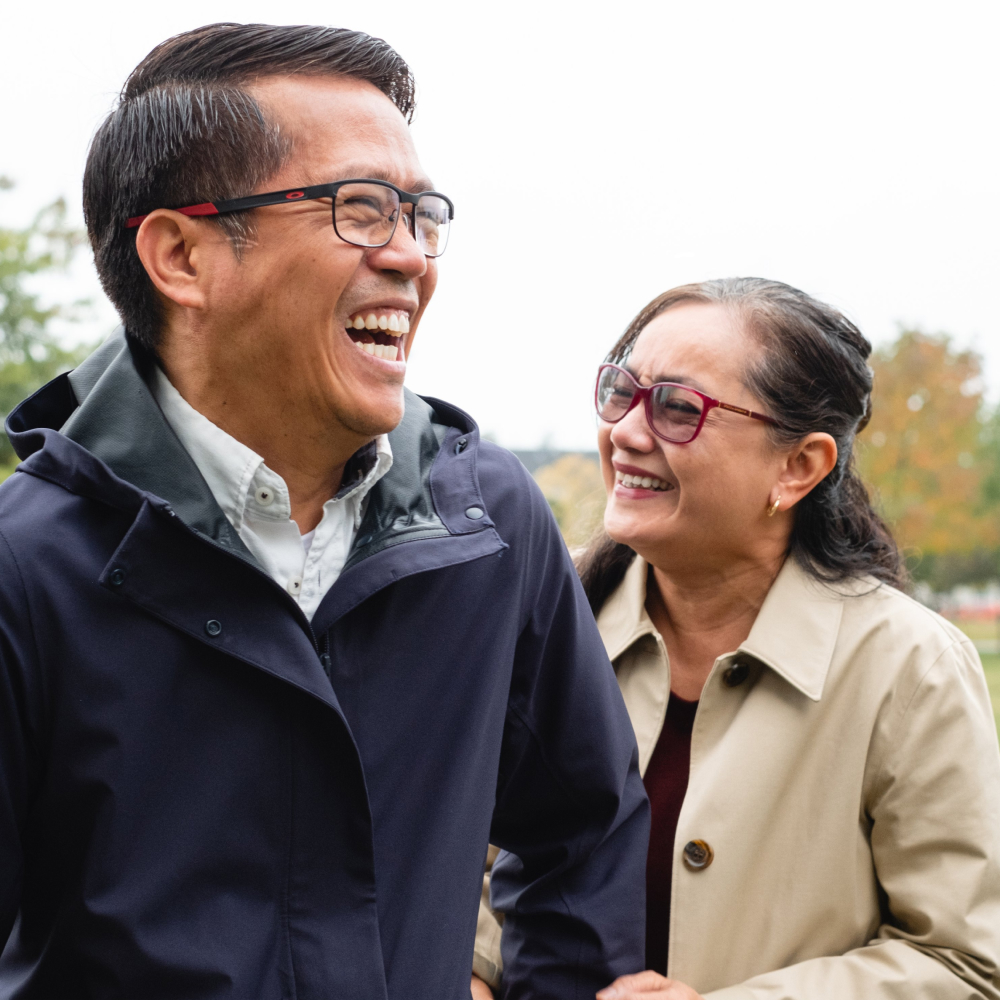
point(679, 379)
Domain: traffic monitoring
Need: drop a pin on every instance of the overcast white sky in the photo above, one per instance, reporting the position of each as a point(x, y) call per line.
point(600, 153)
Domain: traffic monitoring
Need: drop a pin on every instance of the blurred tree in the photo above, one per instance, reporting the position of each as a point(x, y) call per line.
point(29, 353)
point(574, 489)
point(926, 456)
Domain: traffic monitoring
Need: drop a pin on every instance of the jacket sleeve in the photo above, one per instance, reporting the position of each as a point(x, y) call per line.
point(17, 696)
point(933, 805)
point(571, 812)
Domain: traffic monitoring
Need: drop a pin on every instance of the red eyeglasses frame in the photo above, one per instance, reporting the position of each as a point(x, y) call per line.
point(644, 393)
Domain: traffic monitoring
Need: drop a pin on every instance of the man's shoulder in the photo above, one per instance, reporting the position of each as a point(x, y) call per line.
point(504, 480)
point(45, 526)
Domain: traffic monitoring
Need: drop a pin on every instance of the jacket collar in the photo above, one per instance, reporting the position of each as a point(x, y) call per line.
point(794, 634)
point(98, 431)
point(119, 422)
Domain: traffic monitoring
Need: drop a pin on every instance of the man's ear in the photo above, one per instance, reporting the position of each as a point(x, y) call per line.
point(174, 250)
point(812, 459)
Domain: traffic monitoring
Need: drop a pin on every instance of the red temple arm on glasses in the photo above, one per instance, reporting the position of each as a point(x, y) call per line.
point(205, 208)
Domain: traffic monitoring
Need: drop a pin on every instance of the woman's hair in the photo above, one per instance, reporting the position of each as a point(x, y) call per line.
point(812, 375)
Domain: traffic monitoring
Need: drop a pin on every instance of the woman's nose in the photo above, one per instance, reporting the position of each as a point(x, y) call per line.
point(632, 432)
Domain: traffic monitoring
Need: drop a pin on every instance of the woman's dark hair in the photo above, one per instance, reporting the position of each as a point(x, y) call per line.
point(812, 375)
point(185, 131)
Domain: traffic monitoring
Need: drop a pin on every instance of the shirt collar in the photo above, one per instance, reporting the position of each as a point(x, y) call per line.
point(794, 633)
point(228, 466)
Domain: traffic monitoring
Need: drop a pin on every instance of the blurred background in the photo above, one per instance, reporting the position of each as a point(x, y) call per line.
point(599, 154)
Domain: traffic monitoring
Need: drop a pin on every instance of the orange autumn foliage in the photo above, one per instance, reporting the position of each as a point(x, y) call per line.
point(921, 452)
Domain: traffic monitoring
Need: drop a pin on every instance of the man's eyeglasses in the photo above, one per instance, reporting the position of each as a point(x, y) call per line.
point(675, 413)
point(365, 212)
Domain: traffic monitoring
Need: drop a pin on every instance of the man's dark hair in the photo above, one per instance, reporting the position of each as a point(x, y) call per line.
point(185, 131)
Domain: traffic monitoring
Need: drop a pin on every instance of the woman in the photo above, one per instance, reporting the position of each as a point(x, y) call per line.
point(819, 749)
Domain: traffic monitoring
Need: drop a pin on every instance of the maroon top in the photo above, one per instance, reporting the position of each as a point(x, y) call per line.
point(666, 782)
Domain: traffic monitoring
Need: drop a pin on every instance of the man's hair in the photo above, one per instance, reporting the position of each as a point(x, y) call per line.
point(185, 131)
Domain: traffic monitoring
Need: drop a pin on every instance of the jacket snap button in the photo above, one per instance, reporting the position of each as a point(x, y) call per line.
point(117, 577)
point(212, 627)
point(735, 674)
point(474, 512)
point(460, 445)
point(698, 855)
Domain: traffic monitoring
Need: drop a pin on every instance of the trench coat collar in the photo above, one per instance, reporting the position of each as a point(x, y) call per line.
point(794, 634)
point(623, 620)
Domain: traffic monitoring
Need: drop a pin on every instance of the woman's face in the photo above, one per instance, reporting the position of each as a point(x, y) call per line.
point(710, 507)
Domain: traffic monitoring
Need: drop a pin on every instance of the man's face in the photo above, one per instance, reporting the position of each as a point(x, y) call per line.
point(284, 310)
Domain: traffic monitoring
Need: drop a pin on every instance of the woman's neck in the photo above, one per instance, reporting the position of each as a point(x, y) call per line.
point(704, 616)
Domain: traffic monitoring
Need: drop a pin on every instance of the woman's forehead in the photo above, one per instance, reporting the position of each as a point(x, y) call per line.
point(697, 342)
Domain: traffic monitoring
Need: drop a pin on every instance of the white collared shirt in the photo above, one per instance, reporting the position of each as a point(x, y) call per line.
point(255, 500)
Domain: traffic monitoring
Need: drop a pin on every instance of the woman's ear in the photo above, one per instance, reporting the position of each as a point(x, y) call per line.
point(171, 247)
point(809, 462)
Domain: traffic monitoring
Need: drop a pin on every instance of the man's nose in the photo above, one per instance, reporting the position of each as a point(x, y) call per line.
point(401, 254)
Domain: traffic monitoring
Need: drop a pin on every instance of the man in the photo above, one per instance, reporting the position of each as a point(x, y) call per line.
point(283, 645)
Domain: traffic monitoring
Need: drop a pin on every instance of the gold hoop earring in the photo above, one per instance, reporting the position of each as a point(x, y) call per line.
point(773, 509)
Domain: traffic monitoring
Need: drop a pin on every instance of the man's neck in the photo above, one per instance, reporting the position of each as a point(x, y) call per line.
point(292, 436)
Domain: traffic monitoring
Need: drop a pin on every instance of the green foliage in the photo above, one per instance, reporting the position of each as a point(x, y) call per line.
point(29, 354)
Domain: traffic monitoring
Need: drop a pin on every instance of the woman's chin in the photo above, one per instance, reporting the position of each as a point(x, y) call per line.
point(638, 529)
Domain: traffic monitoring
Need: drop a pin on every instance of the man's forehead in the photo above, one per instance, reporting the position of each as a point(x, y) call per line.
point(378, 172)
point(341, 127)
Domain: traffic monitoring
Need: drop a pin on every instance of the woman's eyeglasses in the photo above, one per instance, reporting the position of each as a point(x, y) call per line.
point(675, 413)
point(365, 212)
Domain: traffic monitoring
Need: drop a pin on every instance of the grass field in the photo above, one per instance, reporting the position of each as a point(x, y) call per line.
point(980, 630)
point(991, 664)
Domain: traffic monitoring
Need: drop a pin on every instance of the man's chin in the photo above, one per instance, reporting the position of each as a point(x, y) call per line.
point(371, 421)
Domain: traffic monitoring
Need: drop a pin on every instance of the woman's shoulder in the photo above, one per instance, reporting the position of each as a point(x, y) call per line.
point(895, 629)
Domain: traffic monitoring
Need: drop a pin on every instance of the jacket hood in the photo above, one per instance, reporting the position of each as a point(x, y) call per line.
point(98, 431)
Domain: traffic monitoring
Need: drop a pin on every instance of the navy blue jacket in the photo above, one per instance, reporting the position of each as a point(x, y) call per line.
point(204, 795)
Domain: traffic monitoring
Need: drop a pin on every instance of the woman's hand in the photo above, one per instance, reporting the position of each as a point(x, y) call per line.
point(480, 991)
point(647, 985)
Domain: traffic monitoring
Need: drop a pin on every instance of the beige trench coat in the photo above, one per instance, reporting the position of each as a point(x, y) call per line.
point(845, 773)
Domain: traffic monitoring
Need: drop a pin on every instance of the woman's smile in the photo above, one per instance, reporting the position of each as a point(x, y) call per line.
point(633, 483)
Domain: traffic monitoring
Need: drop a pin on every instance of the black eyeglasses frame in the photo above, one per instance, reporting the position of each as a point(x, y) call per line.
point(309, 193)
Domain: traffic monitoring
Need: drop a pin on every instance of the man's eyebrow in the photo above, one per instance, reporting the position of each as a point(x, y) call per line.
point(679, 379)
point(360, 170)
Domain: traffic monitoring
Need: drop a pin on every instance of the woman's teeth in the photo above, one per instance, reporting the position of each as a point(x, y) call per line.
point(642, 482)
point(385, 329)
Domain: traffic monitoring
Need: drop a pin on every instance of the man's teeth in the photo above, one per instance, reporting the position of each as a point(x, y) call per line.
point(387, 351)
point(393, 322)
point(642, 482)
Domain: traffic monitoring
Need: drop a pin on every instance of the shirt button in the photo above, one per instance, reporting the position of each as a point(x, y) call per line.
point(295, 586)
point(264, 495)
point(698, 855)
point(736, 673)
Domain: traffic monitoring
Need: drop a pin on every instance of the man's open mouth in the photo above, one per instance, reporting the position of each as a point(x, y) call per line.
point(380, 332)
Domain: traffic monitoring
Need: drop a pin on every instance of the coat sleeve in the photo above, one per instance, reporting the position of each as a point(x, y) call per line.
point(486, 961)
point(933, 805)
point(571, 812)
point(17, 696)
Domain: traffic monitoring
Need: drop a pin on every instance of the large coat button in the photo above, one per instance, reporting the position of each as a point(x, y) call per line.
point(736, 673)
point(698, 855)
